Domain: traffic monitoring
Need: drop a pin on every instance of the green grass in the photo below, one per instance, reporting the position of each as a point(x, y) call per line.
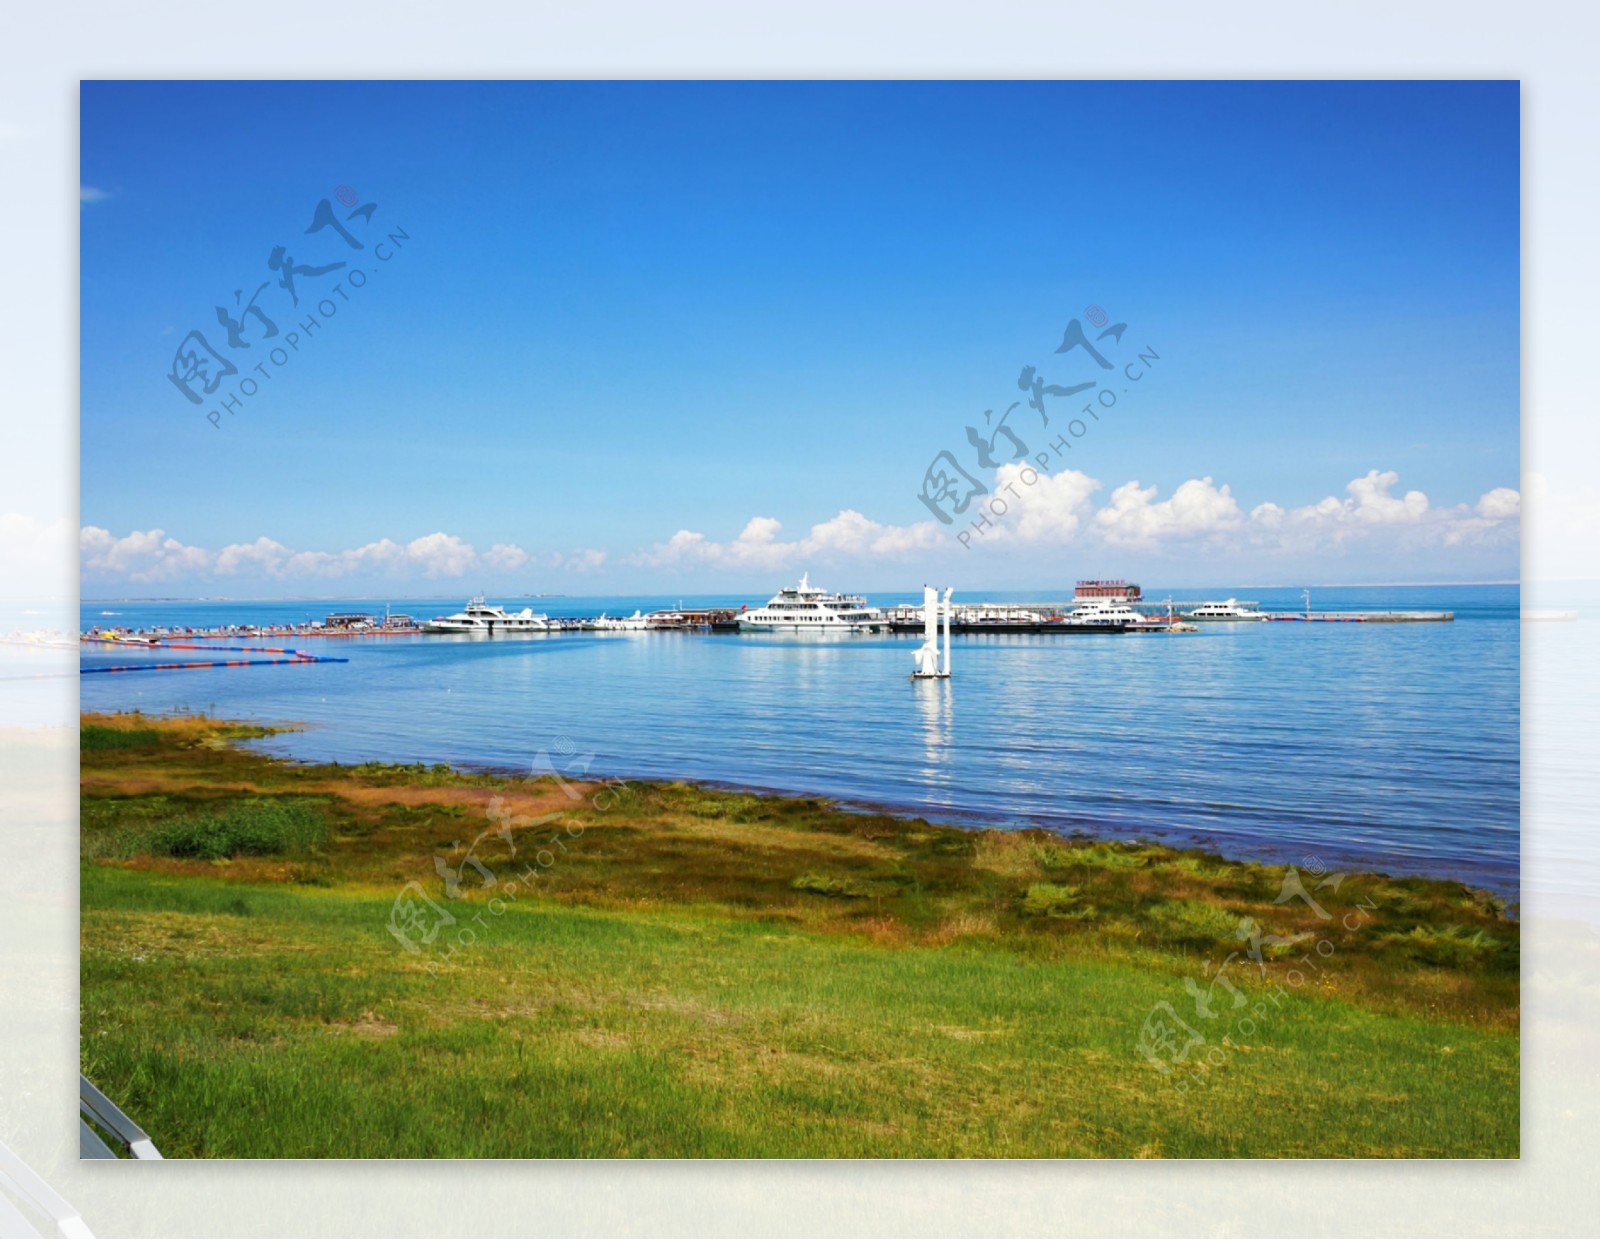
point(95, 739)
point(1050, 900)
point(698, 973)
point(268, 1023)
point(250, 827)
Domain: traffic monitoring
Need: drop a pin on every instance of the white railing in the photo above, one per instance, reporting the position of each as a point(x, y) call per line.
point(131, 1140)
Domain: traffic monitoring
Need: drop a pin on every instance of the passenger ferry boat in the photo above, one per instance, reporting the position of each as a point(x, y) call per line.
point(1231, 609)
point(806, 609)
point(1105, 613)
point(488, 619)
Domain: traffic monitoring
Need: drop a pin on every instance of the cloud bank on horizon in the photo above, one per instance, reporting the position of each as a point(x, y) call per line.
point(1403, 530)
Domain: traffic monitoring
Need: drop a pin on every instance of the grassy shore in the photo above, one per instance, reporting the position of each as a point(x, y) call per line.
point(663, 970)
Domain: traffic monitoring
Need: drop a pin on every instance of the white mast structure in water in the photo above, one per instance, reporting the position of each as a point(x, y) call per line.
point(929, 664)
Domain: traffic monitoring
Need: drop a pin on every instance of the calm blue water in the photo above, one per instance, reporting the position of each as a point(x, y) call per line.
point(1386, 746)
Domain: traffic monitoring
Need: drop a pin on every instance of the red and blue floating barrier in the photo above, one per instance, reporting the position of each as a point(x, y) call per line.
point(295, 656)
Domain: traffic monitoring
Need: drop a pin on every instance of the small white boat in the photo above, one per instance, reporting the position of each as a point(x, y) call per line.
point(1227, 610)
point(806, 609)
point(488, 619)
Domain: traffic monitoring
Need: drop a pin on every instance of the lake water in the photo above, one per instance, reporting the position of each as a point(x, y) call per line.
point(1390, 746)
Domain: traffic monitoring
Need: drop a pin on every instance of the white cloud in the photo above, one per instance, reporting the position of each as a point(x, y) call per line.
point(142, 555)
point(683, 547)
point(263, 555)
point(150, 555)
point(846, 536)
point(1058, 509)
point(1135, 518)
point(1055, 509)
point(1500, 504)
point(507, 556)
point(1371, 502)
point(441, 555)
point(273, 559)
point(1052, 509)
point(88, 193)
point(1371, 514)
point(850, 534)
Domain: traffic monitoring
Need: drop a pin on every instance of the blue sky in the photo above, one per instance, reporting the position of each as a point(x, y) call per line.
point(629, 311)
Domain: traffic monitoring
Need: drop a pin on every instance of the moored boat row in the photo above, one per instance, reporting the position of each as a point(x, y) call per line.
point(1097, 606)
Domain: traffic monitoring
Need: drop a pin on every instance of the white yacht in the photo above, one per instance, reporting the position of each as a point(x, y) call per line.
point(1105, 612)
point(621, 624)
point(806, 609)
point(1228, 610)
point(486, 618)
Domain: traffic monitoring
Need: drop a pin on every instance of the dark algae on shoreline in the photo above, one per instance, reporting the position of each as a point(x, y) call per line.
point(284, 960)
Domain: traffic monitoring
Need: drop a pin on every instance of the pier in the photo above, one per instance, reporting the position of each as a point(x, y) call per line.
point(1366, 617)
point(1361, 617)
